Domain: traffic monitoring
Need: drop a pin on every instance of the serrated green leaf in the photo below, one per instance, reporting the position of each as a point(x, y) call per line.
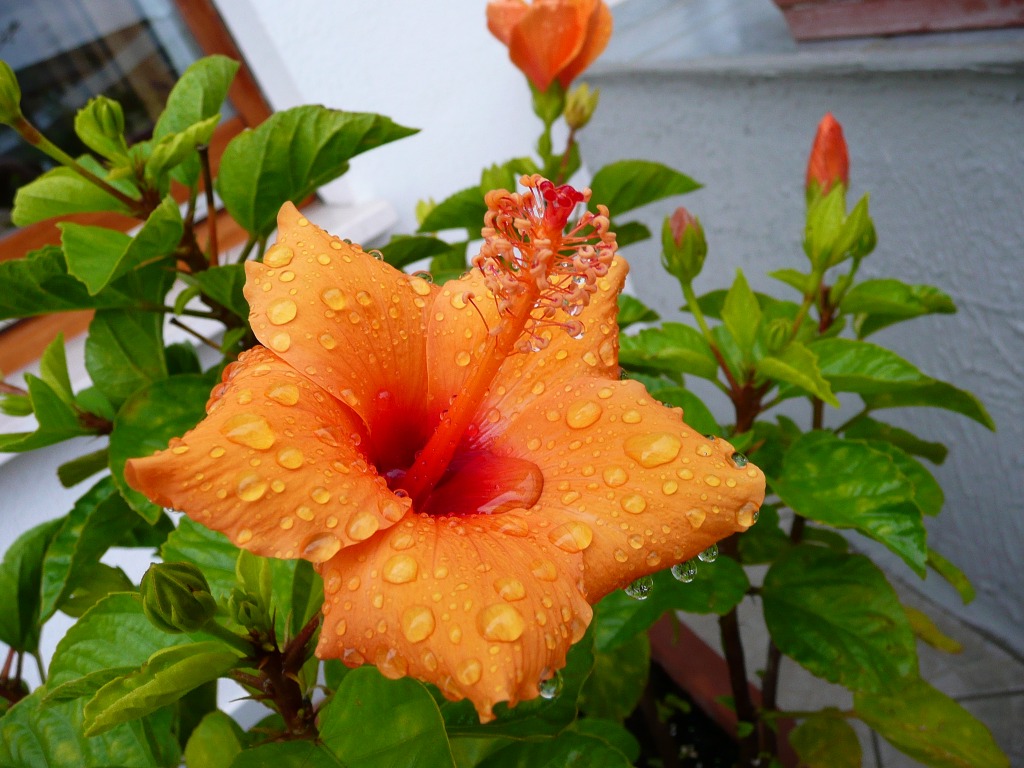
point(85, 686)
point(885, 380)
point(881, 303)
point(672, 348)
point(165, 677)
point(796, 364)
point(124, 352)
point(94, 524)
point(632, 310)
point(925, 630)
point(20, 578)
point(291, 154)
point(463, 210)
point(742, 314)
point(71, 473)
point(98, 255)
point(866, 428)
point(224, 285)
point(567, 750)
point(197, 96)
point(38, 733)
point(59, 192)
point(839, 618)
point(851, 484)
point(170, 151)
point(717, 588)
point(826, 740)
point(929, 726)
point(415, 735)
point(629, 184)
point(620, 675)
point(291, 754)
point(405, 249)
point(214, 743)
point(148, 420)
point(695, 413)
point(956, 578)
point(53, 369)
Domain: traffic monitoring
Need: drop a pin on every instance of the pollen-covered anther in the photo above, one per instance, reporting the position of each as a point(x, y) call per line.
point(531, 251)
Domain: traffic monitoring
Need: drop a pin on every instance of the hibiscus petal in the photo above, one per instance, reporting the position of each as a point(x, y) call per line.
point(274, 466)
point(599, 32)
point(547, 38)
point(479, 606)
point(352, 324)
point(457, 328)
point(502, 16)
point(627, 483)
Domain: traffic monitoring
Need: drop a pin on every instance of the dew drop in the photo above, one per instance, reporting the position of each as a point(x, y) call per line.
point(320, 495)
point(696, 517)
point(281, 311)
point(391, 664)
point(636, 541)
point(290, 458)
point(364, 298)
point(621, 556)
point(544, 570)
point(510, 589)
point(304, 513)
point(685, 572)
point(739, 460)
point(634, 503)
point(244, 536)
point(654, 449)
point(341, 627)
point(582, 414)
point(500, 622)
point(462, 358)
point(278, 256)
point(327, 341)
point(251, 487)
point(747, 514)
point(420, 286)
point(250, 430)
point(632, 417)
point(216, 452)
point(572, 536)
point(280, 342)
point(614, 476)
point(669, 487)
point(514, 526)
point(321, 547)
point(640, 589)
point(362, 526)
point(709, 555)
point(400, 569)
point(285, 394)
point(403, 541)
point(552, 686)
point(713, 480)
point(418, 623)
point(469, 672)
point(334, 298)
point(607, 352)
point(590, 358)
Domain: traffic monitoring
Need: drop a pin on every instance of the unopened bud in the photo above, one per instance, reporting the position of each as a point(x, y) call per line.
point(10, 95)
point(580, 105)
point(829, 163)
point(777, 334)
point(683, 246)
point(176, 597)
point(100, 126)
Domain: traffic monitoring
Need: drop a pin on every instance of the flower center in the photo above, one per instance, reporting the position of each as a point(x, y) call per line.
point(541, 276)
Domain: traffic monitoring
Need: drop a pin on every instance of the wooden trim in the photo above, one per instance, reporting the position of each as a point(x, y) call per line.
point(823, 19)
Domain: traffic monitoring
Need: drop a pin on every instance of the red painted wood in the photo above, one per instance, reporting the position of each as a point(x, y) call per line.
point(822, 19)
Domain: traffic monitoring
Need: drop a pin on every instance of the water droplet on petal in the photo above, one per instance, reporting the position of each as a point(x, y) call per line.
point(400, 569)
point(696, 517)
point(417, 623)
point(281, 342)
point(669, 487)
point(544, 570)
point(327, 341)
point(244, 536)
point(500, 622)
point(632, 417)
point(334, 298)
point(747, 514)
point(290, 458)
point(607, 352)
point(551, 687)
point(391, 664)
point(362, 526)
point(685, 572)
point(572, 536)
point(641, 588)
point(281, 311)
point(278, 256)
point(285, 394)
point(420, 286)
point(321, 547)
point(739, 460)
point(582, 414)
point(320, 495)
point(250, 430)
point(251, 487)
point(614, 476)
point(654, 449)
point(510, 589)
point(469, 672)
point(713, 480)
point(634, 503)
point(709, 555)
point(462, 358)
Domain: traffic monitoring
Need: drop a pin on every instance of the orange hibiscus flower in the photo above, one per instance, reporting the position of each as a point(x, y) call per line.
point(829, 162)
point(551, 39)
point(462, 462)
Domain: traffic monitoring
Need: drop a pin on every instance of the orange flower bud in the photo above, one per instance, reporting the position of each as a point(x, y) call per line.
point(829, 163)
point(551, 39)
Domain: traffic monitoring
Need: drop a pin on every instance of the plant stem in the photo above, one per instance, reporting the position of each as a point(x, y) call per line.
point(560, 178)
point(176, 322)
point(663, 741)
point(211, 210)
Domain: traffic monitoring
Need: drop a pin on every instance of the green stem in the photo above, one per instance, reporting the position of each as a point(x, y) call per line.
point(247, 249)
point(694, 306)
point(223, 633)
point(208, 342)
point(211, 209)
point(39, 667)
point(564, 164)
point(809, 299)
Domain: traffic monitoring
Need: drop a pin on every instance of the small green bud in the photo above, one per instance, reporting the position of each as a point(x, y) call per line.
point(100, 126)
point(250, 600)
point(683, 246)
point(10, 95)
point(15, 404)
point(580, 105)
point(777, 334)
point(176, 597)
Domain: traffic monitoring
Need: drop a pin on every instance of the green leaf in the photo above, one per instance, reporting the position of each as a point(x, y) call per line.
point(94, 524)
point(629, 184)
point(956, 578)
point(673, 348)
point(766, 541)
point(611, 733)
point(826, 740)
point(98, 255)
point(695, 413)
point(59, 192)
point(170, 151)
point(290, 754)
point(20, 579)
point(742, 314)
point(529, 719)
point(838, 617)
point(291, 154)
point(929, 726)
point(463, 210)
point(214, 743)
point(717, 588)
point(148, 420)
point(801, 281)
point(85, 686)
point(71, 473)
point(307, 596)
point(629, 232)
point(925, 630)
point(796, 364)
point(224, 285)
point(415, 734)
point(614, 688)
point(124, 352)
point(880, 303)
point(927, 493)
point(57, 421)
point(53, 369)
point(851, 484)
point(885, 380)
point(211, 551)
point(567, 750)
point(632, 310)
point(97, 581)
point(866, 428)
point(38, 733)
point(197, 96)
point(405, 249)
point(165, 677)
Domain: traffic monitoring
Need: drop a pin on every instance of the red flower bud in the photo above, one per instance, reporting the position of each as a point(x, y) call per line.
point(829, 163)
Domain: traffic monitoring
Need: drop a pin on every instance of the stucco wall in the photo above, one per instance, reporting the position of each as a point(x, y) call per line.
point(941, 150)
